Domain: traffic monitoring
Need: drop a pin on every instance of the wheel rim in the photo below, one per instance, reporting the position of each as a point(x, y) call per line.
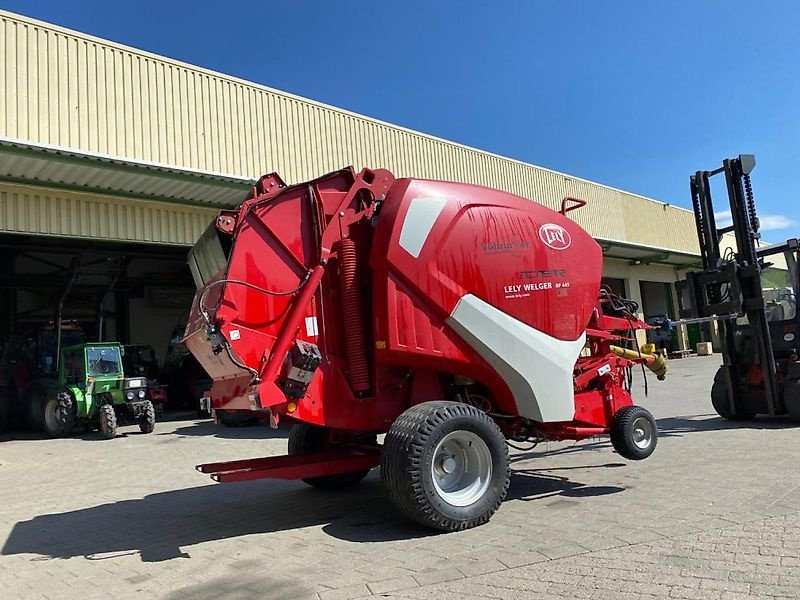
point(51, 415)
point(642, 433)
point(461, 468)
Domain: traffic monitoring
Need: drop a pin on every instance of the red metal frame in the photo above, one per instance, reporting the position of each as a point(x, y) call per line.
point(301, 466)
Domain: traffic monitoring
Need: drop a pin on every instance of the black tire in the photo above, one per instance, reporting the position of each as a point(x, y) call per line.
point(408, 469)
point(108, 421)
point(235, 418)
point(719, 400)
point(147, 420)
point(35, 401)
point(791, 399)
point(51, 419)
point(5, 409)
point(634, 433)
point(68, 411)
point(305, 438)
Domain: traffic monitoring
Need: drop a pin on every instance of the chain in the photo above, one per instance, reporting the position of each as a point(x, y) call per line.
point(751, 203)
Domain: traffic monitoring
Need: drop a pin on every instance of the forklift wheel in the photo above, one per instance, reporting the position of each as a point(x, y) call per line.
point(791, 399)
point(719, 400)
point(634, 433)
point(305, 438)
point(147, 420)
point(108, 422)
point(445, 465)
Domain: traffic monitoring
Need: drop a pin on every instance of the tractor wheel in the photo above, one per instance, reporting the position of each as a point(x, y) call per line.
point(445, 465)
point(305, 438)
point(634, 433)
point(52, 419)
point(108, 421)
point(719, 400)
point(147, 420)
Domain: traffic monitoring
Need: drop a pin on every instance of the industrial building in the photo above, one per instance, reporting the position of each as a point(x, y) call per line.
point(114, 160)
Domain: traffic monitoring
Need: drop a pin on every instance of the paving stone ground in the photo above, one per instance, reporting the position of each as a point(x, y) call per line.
point(714, 513)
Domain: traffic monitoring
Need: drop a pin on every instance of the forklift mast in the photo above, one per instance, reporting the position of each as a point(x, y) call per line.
point(729, 288)
point(757, 377)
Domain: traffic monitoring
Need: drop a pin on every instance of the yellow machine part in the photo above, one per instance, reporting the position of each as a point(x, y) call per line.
point(655, 362)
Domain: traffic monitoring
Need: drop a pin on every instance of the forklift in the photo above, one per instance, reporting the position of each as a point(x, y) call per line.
point(751, 293)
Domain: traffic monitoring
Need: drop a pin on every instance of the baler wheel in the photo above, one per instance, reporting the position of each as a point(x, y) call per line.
point(108, 421)
point(147, 420)
point(634, 433)
point(305, 438)
point(445, 465)
point(233, 418)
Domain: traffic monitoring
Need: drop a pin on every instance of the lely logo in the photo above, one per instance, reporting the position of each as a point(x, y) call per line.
point(555, 236)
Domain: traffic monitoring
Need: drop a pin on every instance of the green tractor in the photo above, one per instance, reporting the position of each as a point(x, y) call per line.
point(92, 392)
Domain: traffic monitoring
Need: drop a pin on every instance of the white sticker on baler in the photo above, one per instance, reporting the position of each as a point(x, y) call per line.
point(311, 327)
point(235, 335)
point(420, 217)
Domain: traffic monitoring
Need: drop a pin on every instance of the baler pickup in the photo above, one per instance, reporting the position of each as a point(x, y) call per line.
point(306, 466)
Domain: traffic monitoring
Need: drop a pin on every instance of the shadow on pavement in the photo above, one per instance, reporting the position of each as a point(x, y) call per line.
point(158, 526)
point(678, 426)
point(180, 415)
point(89, 436)
point(591, 444)
point(209, 428)
point(538, 484)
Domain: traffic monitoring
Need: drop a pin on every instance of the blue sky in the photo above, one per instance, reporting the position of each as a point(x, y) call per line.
point(636, 95)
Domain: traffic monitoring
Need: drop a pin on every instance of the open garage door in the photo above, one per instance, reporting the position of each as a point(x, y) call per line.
point(58, 292)
point(126, 293)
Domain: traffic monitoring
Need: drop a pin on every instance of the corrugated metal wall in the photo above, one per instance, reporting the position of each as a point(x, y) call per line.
point(71, 90)
point(38, 211)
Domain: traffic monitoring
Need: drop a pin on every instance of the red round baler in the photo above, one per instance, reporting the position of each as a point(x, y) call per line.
point(449, 317)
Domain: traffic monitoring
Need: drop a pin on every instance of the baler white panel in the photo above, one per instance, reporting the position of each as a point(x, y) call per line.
point(538, 368)
point(422, 214)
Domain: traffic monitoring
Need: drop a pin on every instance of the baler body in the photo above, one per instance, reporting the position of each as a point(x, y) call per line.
point(360, 304)
point(452, 279)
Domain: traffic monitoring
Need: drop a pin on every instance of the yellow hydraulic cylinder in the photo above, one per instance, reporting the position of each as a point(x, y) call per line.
point(655, 362)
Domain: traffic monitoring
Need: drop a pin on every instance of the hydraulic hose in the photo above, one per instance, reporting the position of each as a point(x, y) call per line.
point(655, 362)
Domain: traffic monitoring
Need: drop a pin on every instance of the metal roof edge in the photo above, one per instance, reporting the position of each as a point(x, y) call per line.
point(102, 193)
point(232, 78)
point(210, 177)
point(654, 249)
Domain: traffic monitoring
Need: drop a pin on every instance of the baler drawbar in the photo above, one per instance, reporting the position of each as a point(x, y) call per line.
point(449, 317)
